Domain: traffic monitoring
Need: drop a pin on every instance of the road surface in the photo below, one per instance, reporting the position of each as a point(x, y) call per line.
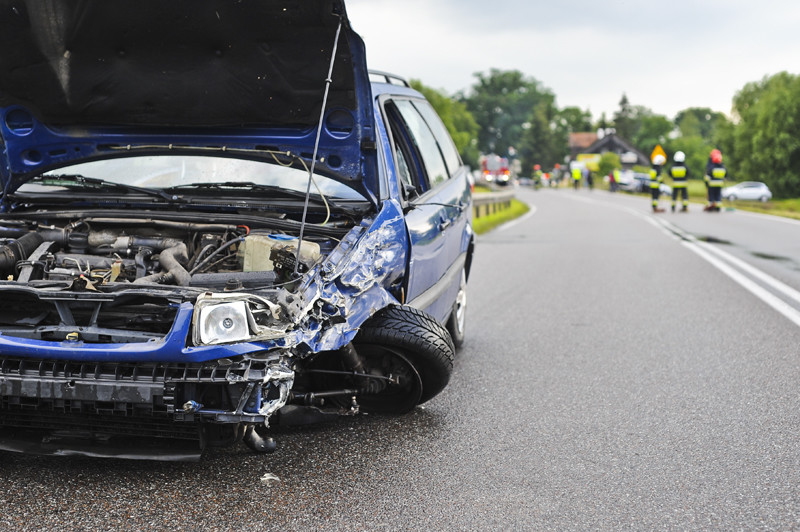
point(622, 370)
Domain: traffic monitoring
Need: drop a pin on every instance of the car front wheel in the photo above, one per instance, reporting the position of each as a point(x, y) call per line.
point(732, 198)
point(413, 348)
point(763, 199)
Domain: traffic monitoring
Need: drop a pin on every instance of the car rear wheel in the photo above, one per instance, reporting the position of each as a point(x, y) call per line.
point(732, 197)
point(457, 321)
point(763, 199)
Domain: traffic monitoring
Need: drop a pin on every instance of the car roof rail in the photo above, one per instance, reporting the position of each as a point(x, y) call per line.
point(387, 77)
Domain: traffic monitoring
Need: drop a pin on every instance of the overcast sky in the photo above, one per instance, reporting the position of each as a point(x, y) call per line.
point(664, 55)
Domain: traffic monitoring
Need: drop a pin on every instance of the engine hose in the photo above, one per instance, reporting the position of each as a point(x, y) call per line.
point(17, 250)
point(170, 261)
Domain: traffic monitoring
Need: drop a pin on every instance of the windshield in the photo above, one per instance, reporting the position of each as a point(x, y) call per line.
point(167, 171)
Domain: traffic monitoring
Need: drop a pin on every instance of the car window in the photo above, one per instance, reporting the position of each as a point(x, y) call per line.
point(443, 138)
point(424, 140)
point(408, 164)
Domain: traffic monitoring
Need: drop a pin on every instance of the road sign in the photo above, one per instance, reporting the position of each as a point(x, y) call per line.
point(658, 150)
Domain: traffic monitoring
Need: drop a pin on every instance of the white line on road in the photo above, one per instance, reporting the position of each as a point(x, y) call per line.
point(705, 251)
point(776, 303)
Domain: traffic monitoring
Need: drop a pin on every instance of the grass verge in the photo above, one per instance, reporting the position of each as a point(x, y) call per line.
point(486, 223)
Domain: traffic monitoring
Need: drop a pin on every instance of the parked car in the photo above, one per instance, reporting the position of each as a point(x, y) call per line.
point(203, 232)
point(640, 182)
point(747, 190)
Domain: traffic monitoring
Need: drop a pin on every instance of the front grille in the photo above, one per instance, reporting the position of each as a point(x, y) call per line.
point(126, 398)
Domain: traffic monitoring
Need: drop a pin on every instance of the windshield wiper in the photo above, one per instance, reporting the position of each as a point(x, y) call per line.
point(79, 181)
point(247, 185)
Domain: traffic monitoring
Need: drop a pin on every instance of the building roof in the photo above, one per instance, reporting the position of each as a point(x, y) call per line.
point(579, 141)
point(611, 142)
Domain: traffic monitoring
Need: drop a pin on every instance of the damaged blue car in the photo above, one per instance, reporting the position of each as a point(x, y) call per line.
point(214, 220)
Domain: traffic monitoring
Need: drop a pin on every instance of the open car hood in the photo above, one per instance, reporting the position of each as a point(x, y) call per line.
point(88, 79)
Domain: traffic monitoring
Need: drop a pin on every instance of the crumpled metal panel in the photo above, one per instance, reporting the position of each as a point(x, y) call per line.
point(353, 282)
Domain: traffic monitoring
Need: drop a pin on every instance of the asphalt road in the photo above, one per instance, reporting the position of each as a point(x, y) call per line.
point(623, 371)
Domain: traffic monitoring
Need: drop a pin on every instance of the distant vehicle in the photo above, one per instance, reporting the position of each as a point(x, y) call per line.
point(639, 182)
point(495, 169)
point(626, 181)
point(747, 190)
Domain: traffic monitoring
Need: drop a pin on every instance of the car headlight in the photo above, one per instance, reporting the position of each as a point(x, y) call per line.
point(230, 318)
point(222, 323)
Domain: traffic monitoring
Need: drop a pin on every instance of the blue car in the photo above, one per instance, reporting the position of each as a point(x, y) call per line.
point(214, 220)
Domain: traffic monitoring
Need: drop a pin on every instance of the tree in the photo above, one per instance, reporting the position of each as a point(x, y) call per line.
point(457, 119)
point(608, 161)
point(652, 129)
point(624, 121)
point(639, 125)
point(574, 119)
point(543, 142)
point(700, 121)
point(515, 111)
point(764, 143)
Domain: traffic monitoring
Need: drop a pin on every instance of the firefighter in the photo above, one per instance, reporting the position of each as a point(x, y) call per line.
point(576, 176)
point(537, 176)
point(655, 180)
point(679, 174)
point(715, 177)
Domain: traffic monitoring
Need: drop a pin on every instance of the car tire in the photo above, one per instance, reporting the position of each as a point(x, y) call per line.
point(732, 197)
point(456, 323)
point(763, 199)
point(403, 335)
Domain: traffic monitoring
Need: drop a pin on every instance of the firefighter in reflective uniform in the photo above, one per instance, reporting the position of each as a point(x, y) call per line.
point(679, 174)
point(576, 176)
point(537, 176)
point(715, 177)
point(655, 180)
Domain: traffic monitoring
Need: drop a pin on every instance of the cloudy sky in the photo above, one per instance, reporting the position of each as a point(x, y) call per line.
point(666, 55)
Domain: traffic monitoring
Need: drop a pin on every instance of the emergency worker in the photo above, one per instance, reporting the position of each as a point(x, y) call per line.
point(576, 176)
point(613, 179)
point(680, 175)
point(715, 177)
point(655, 180)
point(537, 175)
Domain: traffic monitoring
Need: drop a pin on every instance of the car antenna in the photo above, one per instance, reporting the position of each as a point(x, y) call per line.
point(316, 145)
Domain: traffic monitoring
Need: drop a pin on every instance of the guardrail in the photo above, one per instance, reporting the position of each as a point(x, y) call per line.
point(491, 202)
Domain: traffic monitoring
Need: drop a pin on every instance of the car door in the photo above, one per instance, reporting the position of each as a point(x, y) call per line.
point(438, 204)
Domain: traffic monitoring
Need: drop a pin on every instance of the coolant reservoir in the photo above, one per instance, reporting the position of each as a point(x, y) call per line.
point(257, 247)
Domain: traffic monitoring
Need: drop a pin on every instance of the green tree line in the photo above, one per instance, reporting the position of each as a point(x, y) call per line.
point(505, 112)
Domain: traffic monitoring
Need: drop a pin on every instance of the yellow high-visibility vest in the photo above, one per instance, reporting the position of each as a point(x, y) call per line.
point(678, 174)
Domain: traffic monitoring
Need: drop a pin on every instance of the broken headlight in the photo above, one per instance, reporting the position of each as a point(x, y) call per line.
point(224, 319)
point(223, 323)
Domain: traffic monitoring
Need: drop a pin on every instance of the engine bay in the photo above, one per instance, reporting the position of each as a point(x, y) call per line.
point(104, 251)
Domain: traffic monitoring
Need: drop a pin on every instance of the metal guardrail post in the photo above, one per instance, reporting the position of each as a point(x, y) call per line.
point(491, 202)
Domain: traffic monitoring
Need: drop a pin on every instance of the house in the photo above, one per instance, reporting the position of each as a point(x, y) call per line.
point(628, 154)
